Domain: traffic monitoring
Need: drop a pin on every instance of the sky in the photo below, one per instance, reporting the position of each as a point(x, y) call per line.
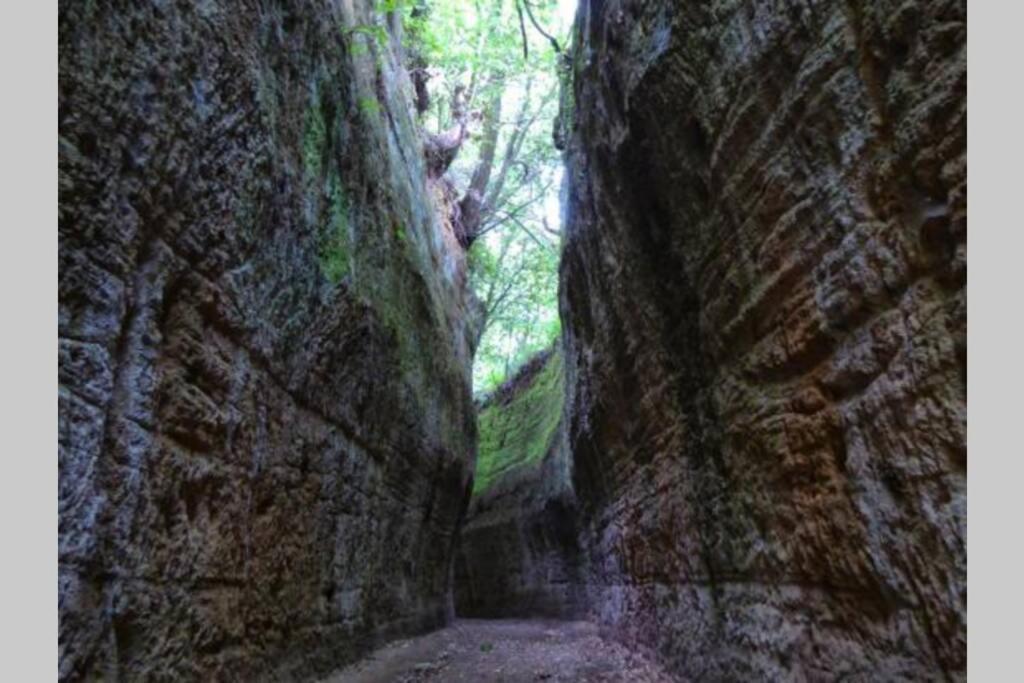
point(566, 13)
point(552, 204)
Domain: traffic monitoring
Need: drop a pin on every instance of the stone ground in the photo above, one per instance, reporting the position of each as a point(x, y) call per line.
point(506, 651)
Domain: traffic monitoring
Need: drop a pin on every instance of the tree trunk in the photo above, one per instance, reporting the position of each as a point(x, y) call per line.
point(440, 149)
point(472, 203)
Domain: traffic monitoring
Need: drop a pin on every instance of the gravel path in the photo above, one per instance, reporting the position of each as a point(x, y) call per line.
point(509, 651)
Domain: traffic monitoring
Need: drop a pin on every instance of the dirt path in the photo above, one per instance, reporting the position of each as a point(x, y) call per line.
point(509, 651)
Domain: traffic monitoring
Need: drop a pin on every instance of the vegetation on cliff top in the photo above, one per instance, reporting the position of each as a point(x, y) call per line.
point(519, 420)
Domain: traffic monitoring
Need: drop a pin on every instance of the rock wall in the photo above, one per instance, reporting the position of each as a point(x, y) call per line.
point(261, 470)
point(518, 554)
point(763, 292)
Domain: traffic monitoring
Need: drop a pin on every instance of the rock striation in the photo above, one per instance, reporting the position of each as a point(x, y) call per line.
point(763, 295)
point(261, 469)
point(518, 554)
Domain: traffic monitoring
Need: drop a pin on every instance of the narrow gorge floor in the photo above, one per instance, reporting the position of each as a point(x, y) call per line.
point(509, 651)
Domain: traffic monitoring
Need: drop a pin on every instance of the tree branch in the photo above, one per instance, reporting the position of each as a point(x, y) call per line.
point(522, 31)
point(440, 149)
point(540, 243)
point(529, 13)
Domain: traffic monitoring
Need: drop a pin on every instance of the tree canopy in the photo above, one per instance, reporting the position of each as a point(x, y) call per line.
point(487, 76)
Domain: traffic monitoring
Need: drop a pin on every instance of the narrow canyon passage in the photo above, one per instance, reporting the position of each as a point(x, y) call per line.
point(514, 340)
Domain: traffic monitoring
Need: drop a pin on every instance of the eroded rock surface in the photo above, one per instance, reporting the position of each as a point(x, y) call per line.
point(518, 553)
point(261, 464)
point(763, 291)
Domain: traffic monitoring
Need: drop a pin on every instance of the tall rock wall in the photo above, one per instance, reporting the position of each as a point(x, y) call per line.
point(518, 552)
point(261, 469)
point(763, 292)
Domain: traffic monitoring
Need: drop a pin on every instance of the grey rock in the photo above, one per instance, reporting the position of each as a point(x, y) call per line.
point(764, 297)
point(261, 474)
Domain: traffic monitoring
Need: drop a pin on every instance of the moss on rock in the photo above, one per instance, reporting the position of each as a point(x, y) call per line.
point(335, 252)
point(519, 422)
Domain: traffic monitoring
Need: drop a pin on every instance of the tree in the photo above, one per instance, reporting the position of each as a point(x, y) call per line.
point(490, 71)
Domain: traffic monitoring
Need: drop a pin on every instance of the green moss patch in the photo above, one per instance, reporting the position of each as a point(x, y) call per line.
point(335, 251)
point(314, 140)
point(517, 426)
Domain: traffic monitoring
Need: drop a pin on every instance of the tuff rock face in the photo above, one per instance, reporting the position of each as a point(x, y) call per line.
point(266, 425)
point(763, 294)
point(261, 470)
point(518, 551)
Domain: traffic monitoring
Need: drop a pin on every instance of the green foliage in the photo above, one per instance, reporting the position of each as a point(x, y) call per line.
point(369, 106)
point(377, 33)
point(393, 5)
point(518, 282)
point(477, 46)
point(519, 432)
point(483, 36)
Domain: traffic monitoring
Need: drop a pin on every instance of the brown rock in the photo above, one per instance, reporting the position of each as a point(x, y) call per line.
point(261, 474)
point(764, 300)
